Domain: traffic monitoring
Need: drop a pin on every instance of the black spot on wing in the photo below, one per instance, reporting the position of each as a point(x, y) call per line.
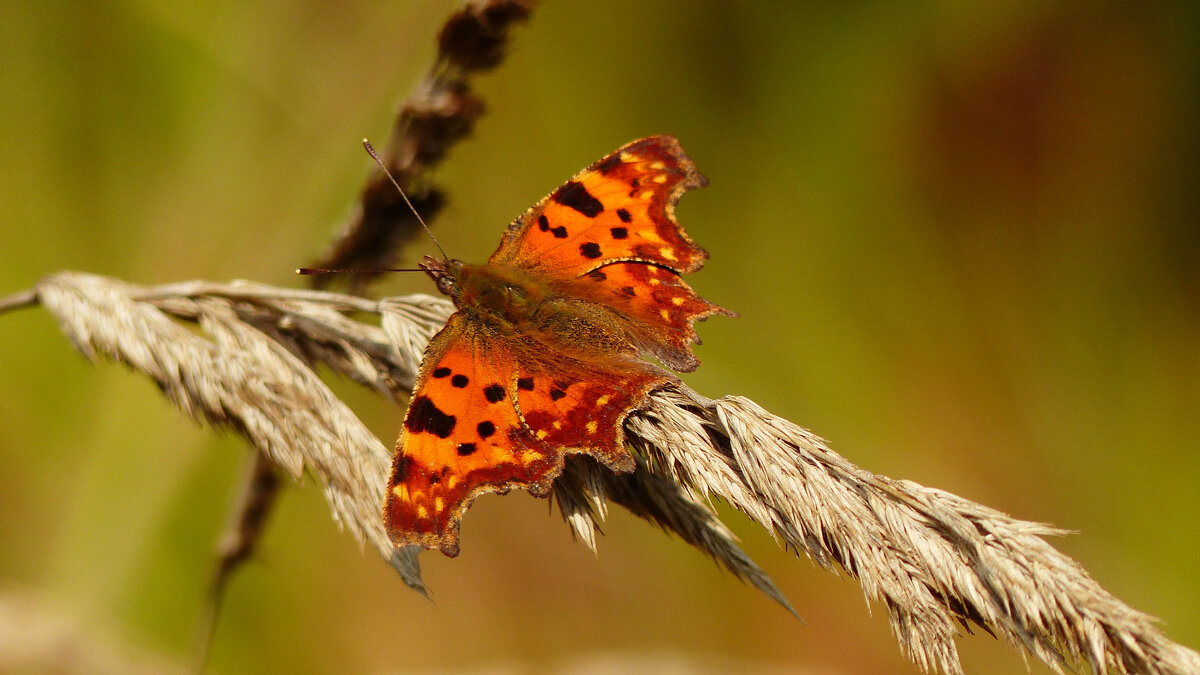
point(624, 216)
point(465, 449)
point(485, 429)
point(441, 372)
point(525, 383)
point(559, 232)
point(424, 416)
point(494, 393)
point(543, 223)
point(575, 195)
point(459, 381)
point(609, 163)
point(400, 469)
point(619, 232)
point(590, 250)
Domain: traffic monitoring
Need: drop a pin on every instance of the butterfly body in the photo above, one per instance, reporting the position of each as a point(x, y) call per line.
point(557, 316)
point(543, 356)
point(497, 290)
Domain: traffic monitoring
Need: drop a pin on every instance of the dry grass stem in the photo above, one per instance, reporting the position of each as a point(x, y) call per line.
point(584, 487)
point(440, 111)
point(939, 563)
point(237, 376)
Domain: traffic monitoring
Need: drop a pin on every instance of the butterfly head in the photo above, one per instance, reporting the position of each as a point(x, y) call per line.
point(445, 273)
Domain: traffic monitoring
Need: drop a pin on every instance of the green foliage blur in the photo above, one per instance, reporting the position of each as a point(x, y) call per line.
point(962, 239)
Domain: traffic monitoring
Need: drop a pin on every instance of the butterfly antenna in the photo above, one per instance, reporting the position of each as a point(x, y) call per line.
point(375, 156)
point(317, 271)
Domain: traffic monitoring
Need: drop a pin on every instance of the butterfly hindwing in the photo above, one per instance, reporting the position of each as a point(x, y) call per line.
point(580, 405)
point(656, 304)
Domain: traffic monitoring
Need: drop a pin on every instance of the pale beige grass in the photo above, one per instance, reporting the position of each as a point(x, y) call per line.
point(936, 561)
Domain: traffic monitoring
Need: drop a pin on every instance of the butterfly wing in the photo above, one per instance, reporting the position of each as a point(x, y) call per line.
point(620, 208)
point(490, 413)
point(654, 303)
point(613, 228)
point(461, 437)
point(578, 404)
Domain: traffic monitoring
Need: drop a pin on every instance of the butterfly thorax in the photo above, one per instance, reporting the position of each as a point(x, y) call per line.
point(491, 290)
point(501, 297)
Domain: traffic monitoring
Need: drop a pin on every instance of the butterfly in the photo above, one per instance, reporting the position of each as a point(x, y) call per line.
point(543, 357)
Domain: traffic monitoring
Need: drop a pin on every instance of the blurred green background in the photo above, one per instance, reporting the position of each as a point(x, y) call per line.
point(962, 238)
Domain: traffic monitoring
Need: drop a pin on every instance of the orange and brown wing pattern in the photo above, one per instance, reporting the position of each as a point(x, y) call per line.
point(579, 404)
point(489, 416)
point(660, 305)
point(620, 208)
point(462, 437)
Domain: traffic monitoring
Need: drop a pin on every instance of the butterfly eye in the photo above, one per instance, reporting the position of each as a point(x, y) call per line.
point(448, 286)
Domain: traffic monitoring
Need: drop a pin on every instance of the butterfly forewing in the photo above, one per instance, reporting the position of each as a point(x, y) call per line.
point(620, 208)
point(613, 226)
point(461, 437)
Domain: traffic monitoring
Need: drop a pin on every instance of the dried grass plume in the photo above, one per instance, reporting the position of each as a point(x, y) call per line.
point(936, 561)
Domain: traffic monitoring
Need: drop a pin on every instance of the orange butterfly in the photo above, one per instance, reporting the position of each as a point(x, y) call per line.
point(542, 357)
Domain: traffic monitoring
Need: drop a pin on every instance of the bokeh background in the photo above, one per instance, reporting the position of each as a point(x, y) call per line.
point(962, 238)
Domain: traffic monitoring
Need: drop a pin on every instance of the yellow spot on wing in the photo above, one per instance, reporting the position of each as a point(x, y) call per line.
point(602, 400)
point(660, 178)
point(657, 166)
point(530, 456)
point(664, 314)
point(677, 300)
point(401, 491)
point(439, 505)
point(451, 482)
point(541, 433)
point(592, 426)
point(647, 195)
point(422, 513)
point(628, 158)
point(557, 425)
point(668, 253)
